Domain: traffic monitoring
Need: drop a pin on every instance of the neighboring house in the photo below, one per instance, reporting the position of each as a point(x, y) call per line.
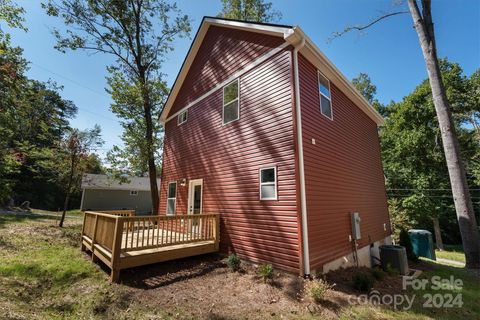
point(102, 192)
point(262, 128)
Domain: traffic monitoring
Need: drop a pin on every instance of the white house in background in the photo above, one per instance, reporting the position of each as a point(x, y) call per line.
point(103, 192)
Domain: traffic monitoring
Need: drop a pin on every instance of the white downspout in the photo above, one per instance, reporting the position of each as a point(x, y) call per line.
point(301, 168)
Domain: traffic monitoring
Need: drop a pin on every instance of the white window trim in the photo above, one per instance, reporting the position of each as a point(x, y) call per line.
point(267, 183)
point(175, 206)
point(321, 93)
point(238, 99)
point(133, 192)
point(179, 117)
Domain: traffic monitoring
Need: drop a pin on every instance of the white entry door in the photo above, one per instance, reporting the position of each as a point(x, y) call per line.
point(195, 205)
point(195, 196)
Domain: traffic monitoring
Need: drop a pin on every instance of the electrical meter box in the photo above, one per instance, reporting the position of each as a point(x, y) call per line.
point(356, 226)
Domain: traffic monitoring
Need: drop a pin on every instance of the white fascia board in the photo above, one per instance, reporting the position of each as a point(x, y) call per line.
point(252, 27)
point(319, 60)
point(183, 72)
point(246, 26)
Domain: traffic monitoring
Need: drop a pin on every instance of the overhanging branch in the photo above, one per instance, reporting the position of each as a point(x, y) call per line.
point(338, 34)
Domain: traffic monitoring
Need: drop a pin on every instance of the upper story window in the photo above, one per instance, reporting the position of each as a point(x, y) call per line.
point(182, 117)
point(268, 183)
point(171, 198)
point(325, 96)
point(231, 110)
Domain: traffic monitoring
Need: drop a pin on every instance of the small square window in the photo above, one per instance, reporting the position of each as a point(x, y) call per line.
point(231, 110)
point(325, 96)
point(182, 117)
point(268, 184)
point(133, 192)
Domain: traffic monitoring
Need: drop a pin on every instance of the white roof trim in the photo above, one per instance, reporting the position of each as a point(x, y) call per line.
point(234, 76)
point(249, 26)
point(207, 22)
point(317, 58)
point(292, 36)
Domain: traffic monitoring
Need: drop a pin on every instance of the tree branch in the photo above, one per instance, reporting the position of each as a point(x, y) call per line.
point(338, 34)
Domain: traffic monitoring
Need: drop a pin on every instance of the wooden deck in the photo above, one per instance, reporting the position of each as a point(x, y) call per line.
point(122, 240)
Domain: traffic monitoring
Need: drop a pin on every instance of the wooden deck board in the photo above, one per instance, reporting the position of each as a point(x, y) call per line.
point(129, 241)
point(160, 237)
point(166, 248)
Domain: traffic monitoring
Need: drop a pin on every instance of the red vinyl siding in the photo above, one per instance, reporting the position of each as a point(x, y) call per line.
point(343, 172)
point(222, 52)
point(228, 157)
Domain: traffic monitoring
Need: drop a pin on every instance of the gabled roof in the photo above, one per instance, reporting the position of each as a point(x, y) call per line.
point(105, 182)
point(293, 36)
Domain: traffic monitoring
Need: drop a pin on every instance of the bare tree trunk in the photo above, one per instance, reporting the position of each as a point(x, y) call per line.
point(152, 169)
point(463, 204)
point(65, 207)
point(438, 234)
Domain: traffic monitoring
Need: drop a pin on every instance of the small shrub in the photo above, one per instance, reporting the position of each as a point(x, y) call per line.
point(391, 271)
point(234, 262)
point(377, 273)
point(265, 271)
point(363, 281)
point(318, 289)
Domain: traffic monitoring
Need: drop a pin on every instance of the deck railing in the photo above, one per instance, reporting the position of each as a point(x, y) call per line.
point(157, 231)
point(121, 213)
point(114, 235)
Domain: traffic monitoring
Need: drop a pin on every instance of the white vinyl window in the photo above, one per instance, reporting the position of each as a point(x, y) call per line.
point(268, 183)
point(325, 96)
point(231, 103)
point(133, 192)
point(171, 198)
point(182, 117)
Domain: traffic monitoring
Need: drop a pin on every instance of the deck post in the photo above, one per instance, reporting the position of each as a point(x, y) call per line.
point(94, 258)
point(217, 231)
point(116, 248)
point(114, 275)
point(82, 246)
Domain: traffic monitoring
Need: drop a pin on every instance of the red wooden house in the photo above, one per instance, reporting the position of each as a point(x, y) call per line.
point(262, 128)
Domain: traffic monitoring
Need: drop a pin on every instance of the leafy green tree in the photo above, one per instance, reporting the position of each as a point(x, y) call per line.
point(421, 13)
point(138, 33)
point(364, 85)
point(413, 157)
point(12, 15)
point(132, 158)
point(12, 68)
point(249, 10)
point(74, 160)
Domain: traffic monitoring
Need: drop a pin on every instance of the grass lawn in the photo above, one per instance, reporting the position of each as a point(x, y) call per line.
point(43, 275)
point(451, 252)
point(422, 308)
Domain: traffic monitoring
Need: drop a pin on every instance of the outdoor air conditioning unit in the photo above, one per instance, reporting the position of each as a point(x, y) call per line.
point(395, 256)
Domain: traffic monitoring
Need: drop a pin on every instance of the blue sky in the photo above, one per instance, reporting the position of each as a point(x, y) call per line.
point(389, 52)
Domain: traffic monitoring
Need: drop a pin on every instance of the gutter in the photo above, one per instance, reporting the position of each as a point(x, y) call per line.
point(298, 42)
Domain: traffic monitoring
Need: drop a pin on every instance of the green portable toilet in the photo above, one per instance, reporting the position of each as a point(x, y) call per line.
point(422, 243)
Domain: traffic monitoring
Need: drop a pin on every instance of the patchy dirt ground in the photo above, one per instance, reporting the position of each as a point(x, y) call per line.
point(43, 275)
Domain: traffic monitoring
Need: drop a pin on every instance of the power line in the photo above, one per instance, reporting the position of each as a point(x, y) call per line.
point(407, 189)
point(68, 79)
point(80, 85)
point(97, 114)
point(407, 196)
